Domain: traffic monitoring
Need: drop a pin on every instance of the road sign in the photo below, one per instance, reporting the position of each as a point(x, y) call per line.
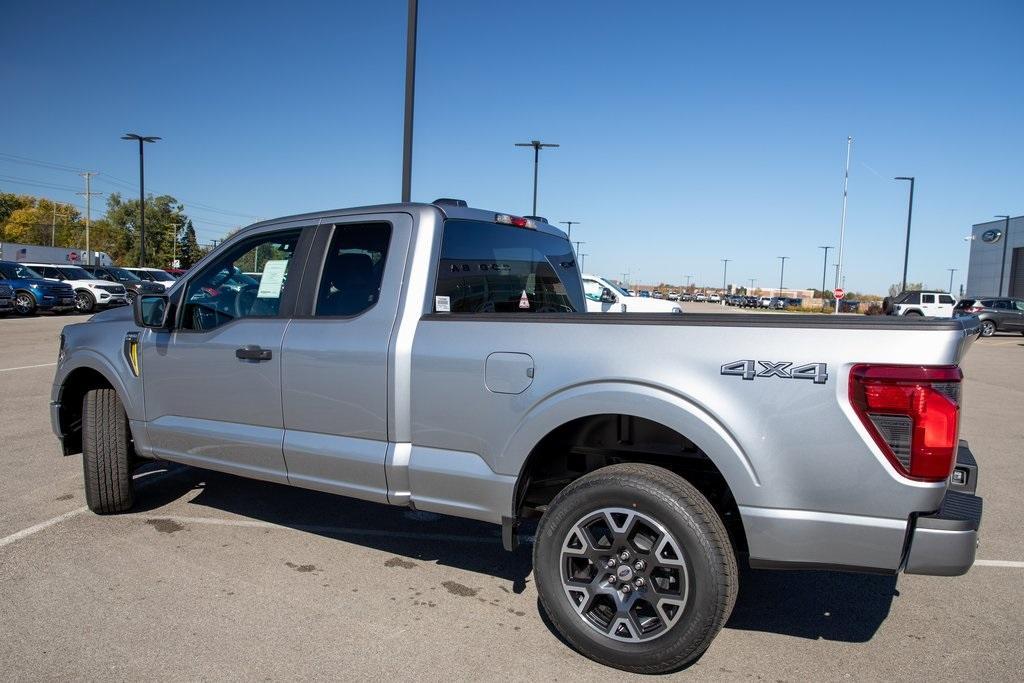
point(840, 293)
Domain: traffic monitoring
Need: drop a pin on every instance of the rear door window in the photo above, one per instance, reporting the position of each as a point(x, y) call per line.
point(491, 268)
point(945, 299)
point(353, 269)
point(927, 298)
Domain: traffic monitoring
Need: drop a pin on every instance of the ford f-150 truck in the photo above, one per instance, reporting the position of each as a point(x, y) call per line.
point(440, 357)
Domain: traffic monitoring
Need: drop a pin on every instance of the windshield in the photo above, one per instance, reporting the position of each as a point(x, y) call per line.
point(75, 273)
point(617, 288)
point(16, 271)
point(161, 276)
point(124, 275)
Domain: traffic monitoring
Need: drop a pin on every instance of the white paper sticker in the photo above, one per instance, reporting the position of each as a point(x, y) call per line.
point(272, 279)
point(442, 304)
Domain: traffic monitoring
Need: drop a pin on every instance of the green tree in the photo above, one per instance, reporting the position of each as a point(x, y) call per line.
point(188, 246)
point(165, 220)
point(895, 289)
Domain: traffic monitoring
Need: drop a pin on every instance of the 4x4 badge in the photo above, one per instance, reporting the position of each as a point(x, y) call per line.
point(747, 369)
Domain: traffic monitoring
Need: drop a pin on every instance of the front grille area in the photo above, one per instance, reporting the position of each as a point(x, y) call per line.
point(6, 291)
point(113, 289)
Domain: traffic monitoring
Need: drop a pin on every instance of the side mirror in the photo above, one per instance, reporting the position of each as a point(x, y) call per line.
point(607, 297)
point(151, 310)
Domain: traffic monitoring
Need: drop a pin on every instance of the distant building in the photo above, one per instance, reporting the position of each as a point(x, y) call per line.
point(992, 253)
point(34, 253)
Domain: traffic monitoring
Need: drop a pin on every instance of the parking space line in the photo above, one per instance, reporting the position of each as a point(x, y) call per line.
point(28, 367)
point(323, 529)
point(999, 563)
point(24, 533)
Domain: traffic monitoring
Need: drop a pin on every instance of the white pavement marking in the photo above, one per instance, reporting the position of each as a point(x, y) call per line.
point(999, 563)
point(323, 529)
point(28, 367)
point(24, 533)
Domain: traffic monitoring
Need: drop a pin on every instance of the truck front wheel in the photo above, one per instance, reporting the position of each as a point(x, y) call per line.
point(635, 569)
point(106, 453)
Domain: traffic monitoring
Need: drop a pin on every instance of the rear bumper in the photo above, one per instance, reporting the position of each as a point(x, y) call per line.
point(945, 543)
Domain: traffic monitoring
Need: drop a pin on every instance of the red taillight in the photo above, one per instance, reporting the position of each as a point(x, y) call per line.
point(912, 413)
point(977, 309)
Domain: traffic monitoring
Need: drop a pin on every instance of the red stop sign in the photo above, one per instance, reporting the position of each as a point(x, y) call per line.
point(840, 292)
point(72, 257)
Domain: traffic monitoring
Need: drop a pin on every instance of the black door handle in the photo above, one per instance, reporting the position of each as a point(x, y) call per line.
point(253, 352)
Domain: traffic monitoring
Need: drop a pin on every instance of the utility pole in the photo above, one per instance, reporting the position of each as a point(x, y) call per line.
point(410, 96)
point(1002, 265)
point(782, 272)
point(537, 146)
point(824, 269)
point(910, 213)
point(951, 271)
point(570, 224)
point(53, 224)
point(725, 271)
point(842, 226)
point(88, 211)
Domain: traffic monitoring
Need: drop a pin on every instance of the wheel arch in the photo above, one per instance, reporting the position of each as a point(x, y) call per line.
point(88, 371)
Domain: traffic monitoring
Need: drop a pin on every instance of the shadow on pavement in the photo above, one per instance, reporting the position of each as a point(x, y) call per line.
point(824, 605)
point(806, 604)
point(427, 537)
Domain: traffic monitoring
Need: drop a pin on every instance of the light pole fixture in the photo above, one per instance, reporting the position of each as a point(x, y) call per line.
point(725, 272)
point(824, 269)
point(583, 259)
point(752, 281)
point(578, 243)
point(951, 271)
point(568, 223)
point(782, 272)
point(910, 213)
point(1002, 265)
point(142, 140)
point(537, 146)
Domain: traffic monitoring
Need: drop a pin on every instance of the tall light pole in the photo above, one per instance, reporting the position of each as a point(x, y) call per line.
point(910, 213)
point(142, 139)
point(782, 272)
point(752, 281)
point(824, 269)
point(410, 97)
point(578, 243)
point(951, 271)
point(583, 260)
point(537, 146)
point(842, 225)
point(725, 272)
point(568, 223)
point(1002, 266)
point(688, 278)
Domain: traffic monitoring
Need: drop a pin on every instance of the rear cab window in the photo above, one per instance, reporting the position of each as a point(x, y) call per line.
point(492, 268)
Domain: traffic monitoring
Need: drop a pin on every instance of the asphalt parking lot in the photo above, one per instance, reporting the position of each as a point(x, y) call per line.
point(216, 577)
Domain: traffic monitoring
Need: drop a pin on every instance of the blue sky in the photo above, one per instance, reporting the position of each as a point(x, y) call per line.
point(689, 132)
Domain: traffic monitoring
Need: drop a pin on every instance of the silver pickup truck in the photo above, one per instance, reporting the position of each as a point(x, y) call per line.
point(440, 357)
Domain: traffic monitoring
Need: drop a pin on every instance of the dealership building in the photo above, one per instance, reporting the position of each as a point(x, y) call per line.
point(997, 255)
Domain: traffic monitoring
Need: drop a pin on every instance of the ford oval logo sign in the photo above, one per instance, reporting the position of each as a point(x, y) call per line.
point(991, 236)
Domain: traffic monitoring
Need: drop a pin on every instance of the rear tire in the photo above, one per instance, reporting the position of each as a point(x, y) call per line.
point(677, 549)
point(988, 328)
point(106, 453)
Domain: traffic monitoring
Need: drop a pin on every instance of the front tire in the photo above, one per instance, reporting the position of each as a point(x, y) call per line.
point(643, 527)
point(84, 302)
point(988, 328)
point(24, 303)
point(106, 453)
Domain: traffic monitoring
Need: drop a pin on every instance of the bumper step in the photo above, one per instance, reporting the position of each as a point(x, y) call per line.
point(945, 543)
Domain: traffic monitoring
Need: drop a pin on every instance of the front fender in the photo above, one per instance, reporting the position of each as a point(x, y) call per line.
point(119, 375)
point(674, 411)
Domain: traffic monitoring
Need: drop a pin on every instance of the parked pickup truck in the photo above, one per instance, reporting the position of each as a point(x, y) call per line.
point(440, 357)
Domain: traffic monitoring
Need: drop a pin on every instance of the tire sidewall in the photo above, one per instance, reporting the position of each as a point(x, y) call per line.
point(24, 310)
point(988, 328)
point(702, 590)
point(90, 302)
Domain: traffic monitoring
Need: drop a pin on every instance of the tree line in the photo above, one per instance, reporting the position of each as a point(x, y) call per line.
point(27, 219)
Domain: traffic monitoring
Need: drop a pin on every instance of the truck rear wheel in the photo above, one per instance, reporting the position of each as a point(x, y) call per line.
point(106, 453)
point(635, 569)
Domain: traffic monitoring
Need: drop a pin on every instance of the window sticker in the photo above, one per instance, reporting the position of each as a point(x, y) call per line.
point(272, 280)
point(442, 304)
point(523, 301)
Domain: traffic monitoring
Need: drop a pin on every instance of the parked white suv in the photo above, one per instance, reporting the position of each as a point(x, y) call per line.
point(90, 293)
point(604, 296)
point(932, 304)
